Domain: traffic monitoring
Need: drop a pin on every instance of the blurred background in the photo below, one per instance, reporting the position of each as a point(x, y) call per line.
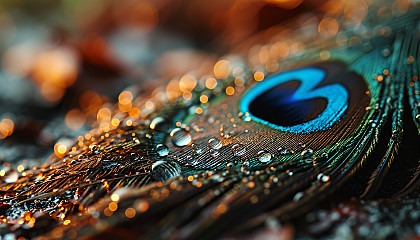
point(64, 63)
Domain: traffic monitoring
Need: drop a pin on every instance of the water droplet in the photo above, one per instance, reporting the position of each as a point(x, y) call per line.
point(163, 170)
point(162, 150)
point(298, 196)
point(308, 153)
point(283, 151)
point(94, 149)
point(11, 177)
point(323, 156)
point(81, 157)
point(264, 156)
point(322, 177)
point(180, 137)
point(302, 145)
point(198, 150)
point(215, 144)
point(247, 119)
point(214, 153)
point(192, 160)
point(238, 149)
point(134, 156)
point(159, 124)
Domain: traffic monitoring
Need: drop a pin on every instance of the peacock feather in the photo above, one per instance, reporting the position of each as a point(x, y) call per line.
point(287, 119)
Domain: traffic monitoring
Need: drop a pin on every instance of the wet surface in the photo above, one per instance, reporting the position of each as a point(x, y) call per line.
point(92, 147)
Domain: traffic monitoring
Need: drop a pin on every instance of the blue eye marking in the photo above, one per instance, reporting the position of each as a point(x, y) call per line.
point(280, 104)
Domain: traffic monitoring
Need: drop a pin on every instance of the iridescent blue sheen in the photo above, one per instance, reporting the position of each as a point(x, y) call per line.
point(296, 101)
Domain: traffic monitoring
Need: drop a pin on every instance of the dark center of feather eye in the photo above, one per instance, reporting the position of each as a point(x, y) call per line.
point(278, 107)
